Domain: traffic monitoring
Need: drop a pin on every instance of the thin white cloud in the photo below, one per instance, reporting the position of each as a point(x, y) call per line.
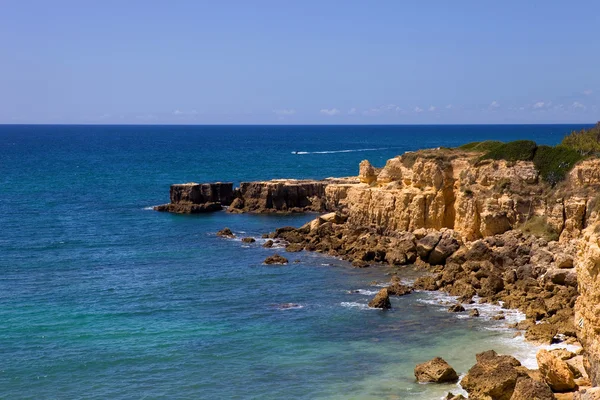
point(180, 112)
point(577, 105)
point(285, 112)
point(449, 107)
point(539, 104)
point(587, 92)
point(418, 109)
point(494, 104)
point(372, 112)
point(330, 111)
point(352, 111)
point(431, 108)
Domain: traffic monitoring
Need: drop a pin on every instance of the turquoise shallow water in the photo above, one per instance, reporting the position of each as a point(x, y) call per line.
point(102, 298)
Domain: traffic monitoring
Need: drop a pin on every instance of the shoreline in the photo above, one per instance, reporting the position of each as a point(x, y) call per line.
point(493, 229)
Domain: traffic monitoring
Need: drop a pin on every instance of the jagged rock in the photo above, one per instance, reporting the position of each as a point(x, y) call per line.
point(276, 259)
point(499, 317)
point(294, 247)
point(562, 354)
point(381, 300)
point(226, 233)
point(268, 244)
point(493, 377)
point(427, 244)
point(446, 246)
point(542, 333)
point(528, 389)
point(456, 308)
point(474, 313)
point(397, 289)
point(452, 396)
point(248, 240)
point(436, 370)
point(562, 260)
point(366, 172)
point(189, 208)
point(555, 371)
point(425, 283)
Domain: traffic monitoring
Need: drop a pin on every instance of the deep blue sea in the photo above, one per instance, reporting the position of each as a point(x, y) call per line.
point(103, 298)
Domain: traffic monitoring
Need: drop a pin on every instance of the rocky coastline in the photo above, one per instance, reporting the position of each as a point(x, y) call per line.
point(491, 231)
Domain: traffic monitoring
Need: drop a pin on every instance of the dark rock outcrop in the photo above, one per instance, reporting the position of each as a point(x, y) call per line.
point(276, 259)
point(226, 233)
point(381, 300)
point(196, 198)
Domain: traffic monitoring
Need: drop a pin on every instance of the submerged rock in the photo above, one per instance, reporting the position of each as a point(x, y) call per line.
point(436, 370)
point(381, 300)
point(226, 233)
point(276, 259)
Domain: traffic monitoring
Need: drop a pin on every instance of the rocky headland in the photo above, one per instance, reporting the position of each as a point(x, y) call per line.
point(507, 231)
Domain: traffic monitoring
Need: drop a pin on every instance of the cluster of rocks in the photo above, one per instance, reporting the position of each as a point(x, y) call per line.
point(561, 375)
point(519, 271)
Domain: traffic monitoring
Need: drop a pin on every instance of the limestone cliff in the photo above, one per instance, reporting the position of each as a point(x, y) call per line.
point(587, 308)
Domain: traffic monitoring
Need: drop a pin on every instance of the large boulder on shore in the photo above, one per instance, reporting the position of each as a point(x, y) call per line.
point(381, 300)
point(493, 377)
point(426, 244)
point(436, 370)
point(366, 172)
point(556, 372)
point(528, 389)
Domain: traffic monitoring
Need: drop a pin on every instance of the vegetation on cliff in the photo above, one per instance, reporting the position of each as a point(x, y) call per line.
point(552, 162)
point(585, 142)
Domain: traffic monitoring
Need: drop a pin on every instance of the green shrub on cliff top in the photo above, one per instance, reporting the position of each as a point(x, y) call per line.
point(484, 146)
point(586, 141)
point(519, 150)
point(554, 163)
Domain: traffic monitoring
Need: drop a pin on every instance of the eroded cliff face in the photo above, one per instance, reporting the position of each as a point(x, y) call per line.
point(587, 308)
point(452, 189)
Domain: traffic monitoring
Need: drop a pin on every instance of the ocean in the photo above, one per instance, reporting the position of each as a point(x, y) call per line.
point(101, 297)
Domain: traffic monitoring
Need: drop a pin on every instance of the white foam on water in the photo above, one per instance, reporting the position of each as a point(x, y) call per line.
point(353, 304)
point(148, 208)
point(340, 151)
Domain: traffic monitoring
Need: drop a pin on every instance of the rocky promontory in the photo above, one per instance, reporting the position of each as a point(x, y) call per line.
point(522, 231)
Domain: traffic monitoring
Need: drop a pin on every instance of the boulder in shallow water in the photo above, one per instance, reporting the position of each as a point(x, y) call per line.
point(474, 313)
point(452, 396)
point(248, 240)
point(276, 259)
point(226, 233)
point(268, 244)
point(456, 308)
point(381, 300)
point(436, 370)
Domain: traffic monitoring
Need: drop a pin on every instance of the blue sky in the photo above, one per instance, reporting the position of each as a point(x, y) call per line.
point(299, 62)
